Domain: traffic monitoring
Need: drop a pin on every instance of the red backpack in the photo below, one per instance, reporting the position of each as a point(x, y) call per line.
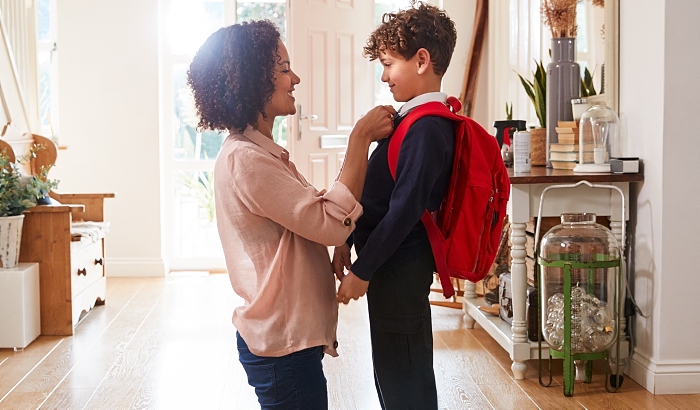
point(465, 232)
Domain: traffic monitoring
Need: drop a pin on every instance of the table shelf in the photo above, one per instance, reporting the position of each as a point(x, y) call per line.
point(500, 330)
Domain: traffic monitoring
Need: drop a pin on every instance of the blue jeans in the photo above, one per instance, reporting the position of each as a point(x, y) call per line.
point(295, 381)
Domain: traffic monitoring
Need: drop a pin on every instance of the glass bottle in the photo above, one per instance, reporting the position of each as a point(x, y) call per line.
point(583, 257)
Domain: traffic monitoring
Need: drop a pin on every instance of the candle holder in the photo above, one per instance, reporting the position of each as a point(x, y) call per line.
point(598, 134)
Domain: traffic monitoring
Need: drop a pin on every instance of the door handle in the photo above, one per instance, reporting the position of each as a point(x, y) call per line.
point(303, 117)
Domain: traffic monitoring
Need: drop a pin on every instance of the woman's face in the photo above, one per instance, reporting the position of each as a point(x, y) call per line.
point(282, 101)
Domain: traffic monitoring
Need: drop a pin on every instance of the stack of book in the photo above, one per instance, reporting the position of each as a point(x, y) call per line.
point(564, 154)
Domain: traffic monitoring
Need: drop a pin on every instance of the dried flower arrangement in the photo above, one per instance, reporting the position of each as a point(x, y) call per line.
point(560, 17)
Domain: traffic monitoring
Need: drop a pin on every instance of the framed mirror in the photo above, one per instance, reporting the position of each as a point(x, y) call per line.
point(612, 53)
point(597, 45)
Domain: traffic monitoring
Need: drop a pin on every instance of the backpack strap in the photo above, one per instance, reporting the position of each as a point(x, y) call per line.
point(435, 237)
point(433, 108)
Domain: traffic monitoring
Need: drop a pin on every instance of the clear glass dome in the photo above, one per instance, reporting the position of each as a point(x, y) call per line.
point(590, 254)
point(599, 134)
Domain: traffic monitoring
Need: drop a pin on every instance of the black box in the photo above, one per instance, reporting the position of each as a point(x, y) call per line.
point(531, 313)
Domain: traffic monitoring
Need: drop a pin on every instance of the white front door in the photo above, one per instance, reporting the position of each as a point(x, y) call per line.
point(325, 43)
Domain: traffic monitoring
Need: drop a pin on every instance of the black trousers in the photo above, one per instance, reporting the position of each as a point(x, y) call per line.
point(401, 332)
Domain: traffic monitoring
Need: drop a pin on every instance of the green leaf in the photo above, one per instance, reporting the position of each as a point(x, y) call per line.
point(587, 87)
point(541, 76)
point(536, 90)
point(509, 111)
point(541, 105)
point(17, 193)
point(588, 80)
point(528, 88)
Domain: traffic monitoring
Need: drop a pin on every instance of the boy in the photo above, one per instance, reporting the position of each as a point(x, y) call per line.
point(394, 263)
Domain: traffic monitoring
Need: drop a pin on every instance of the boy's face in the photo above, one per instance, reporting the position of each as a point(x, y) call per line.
point(401, 75)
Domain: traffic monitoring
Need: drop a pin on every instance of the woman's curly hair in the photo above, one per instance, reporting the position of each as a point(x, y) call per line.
point(232, 75)
point(407, 31)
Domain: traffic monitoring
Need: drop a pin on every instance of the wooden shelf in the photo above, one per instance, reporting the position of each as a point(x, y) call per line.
point(543, 175)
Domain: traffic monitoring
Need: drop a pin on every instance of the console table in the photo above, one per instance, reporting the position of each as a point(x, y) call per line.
point(526, 189)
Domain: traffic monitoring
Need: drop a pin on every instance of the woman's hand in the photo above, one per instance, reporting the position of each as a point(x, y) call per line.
point(341, 260)
point(377, 124)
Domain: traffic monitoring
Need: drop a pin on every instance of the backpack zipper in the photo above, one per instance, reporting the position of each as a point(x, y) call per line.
point(481, 235)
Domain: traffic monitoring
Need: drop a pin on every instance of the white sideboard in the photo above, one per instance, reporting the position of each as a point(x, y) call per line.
point(526, 189)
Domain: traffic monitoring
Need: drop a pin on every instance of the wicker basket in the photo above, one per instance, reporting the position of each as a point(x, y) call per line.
point(538, 147)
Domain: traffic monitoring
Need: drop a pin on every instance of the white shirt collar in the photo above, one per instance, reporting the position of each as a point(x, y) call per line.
point(420, 100)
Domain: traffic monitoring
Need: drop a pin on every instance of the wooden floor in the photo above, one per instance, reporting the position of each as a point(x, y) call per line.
point(169, 344)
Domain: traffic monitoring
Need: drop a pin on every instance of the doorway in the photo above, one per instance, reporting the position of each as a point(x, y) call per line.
point(325, 39)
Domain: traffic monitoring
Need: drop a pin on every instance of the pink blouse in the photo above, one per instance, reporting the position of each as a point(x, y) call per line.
point(275, 227)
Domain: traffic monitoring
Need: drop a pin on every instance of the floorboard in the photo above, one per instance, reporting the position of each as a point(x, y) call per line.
point(168, 343)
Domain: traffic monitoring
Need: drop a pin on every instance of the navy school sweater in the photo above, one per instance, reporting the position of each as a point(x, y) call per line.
point(390, 229)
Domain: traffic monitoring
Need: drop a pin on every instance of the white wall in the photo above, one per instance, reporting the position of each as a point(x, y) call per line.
point(108, 96)
point(659, 85)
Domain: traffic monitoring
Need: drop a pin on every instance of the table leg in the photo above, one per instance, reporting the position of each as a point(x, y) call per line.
point(469, 293)
point(519, 282)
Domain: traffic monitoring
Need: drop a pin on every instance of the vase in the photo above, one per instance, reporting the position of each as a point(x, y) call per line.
point(563, 85)
point(10, 238)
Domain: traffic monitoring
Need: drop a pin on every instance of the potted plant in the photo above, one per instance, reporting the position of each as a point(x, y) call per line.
point(537, 91)
point(17, 194)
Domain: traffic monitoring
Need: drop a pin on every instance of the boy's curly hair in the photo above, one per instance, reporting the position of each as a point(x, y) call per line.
point(421, 26)
point(232, 75)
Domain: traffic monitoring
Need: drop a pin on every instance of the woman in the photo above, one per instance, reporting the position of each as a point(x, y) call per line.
point(274, 226)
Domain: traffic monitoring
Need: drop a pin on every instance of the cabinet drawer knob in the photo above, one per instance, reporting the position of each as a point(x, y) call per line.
point(82, 271)
point(98, 261)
